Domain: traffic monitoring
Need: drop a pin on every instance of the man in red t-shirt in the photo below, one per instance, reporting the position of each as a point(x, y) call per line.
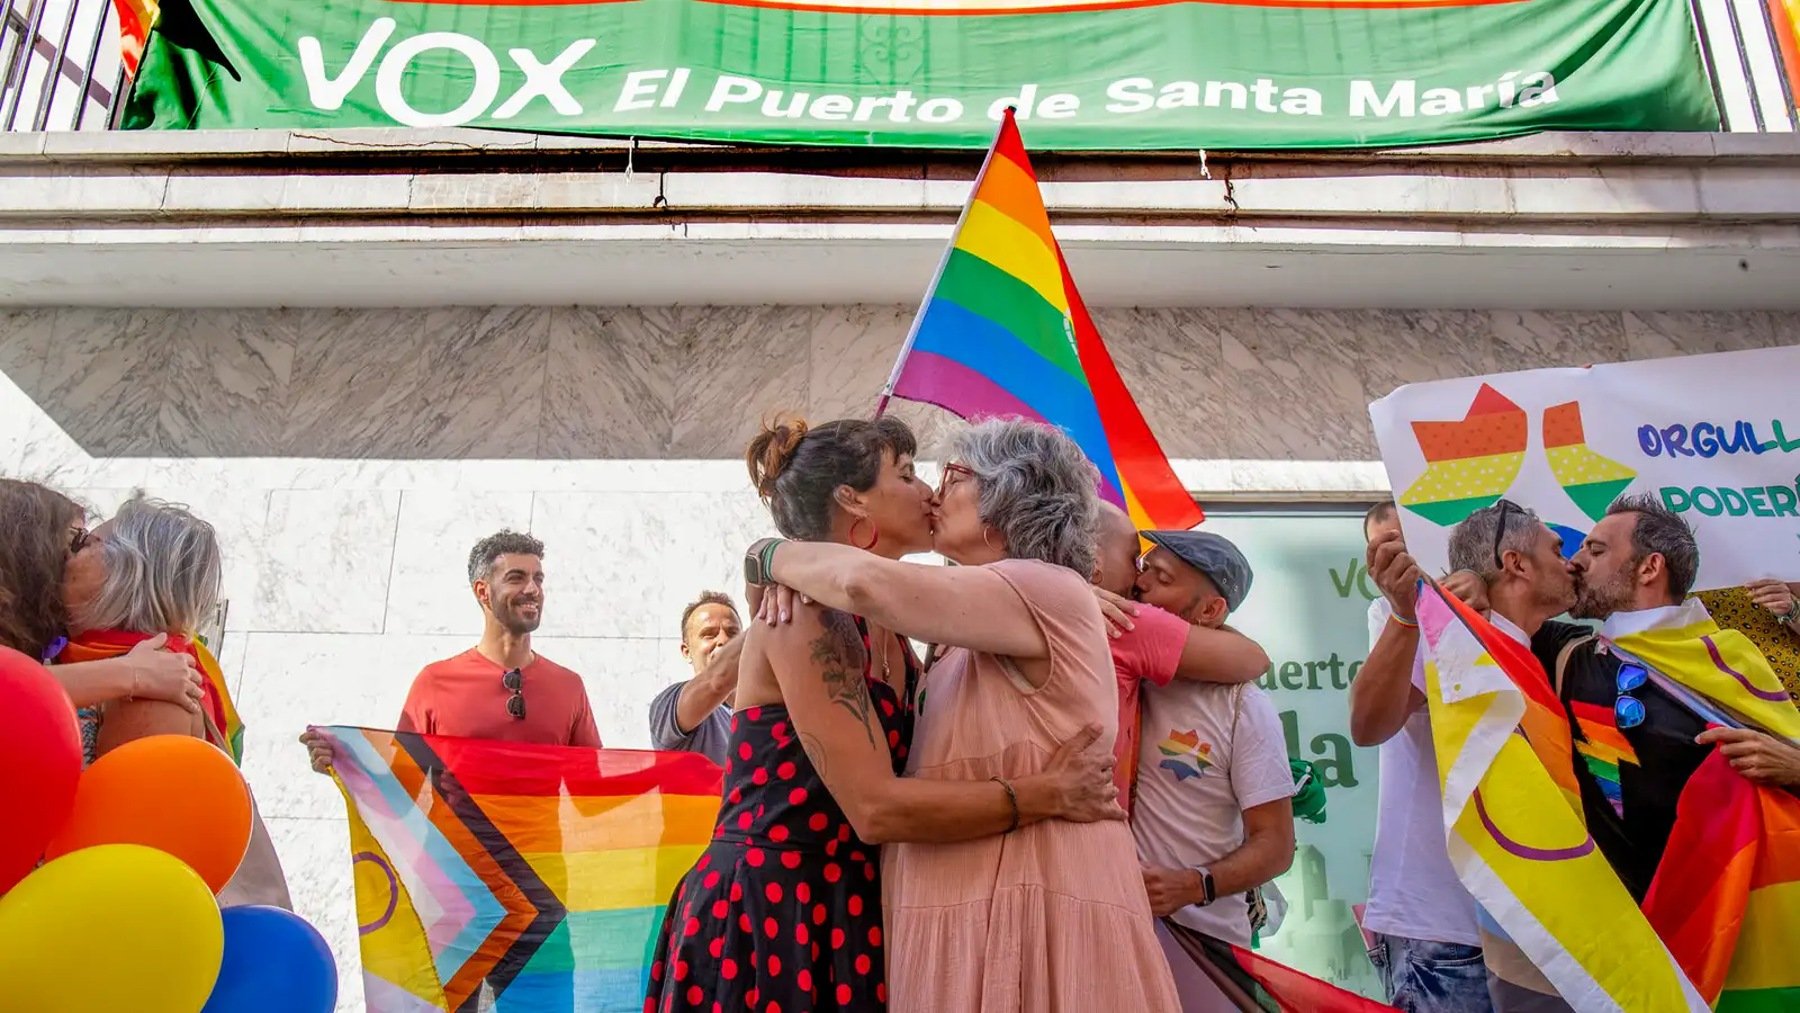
point(501, 688)
point(1149, 643)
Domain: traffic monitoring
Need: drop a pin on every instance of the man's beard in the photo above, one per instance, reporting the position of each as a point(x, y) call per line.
point(1600, 601)
point(516, 624)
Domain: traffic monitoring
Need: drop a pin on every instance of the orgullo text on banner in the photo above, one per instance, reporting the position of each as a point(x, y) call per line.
point(1715, 438)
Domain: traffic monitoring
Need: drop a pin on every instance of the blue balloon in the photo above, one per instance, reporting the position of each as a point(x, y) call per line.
point(275, 962)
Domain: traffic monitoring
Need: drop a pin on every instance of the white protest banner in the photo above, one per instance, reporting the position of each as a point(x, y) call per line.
point(1715, 438)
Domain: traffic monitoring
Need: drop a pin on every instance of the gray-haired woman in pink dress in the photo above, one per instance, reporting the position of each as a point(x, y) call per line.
point(1047, 917)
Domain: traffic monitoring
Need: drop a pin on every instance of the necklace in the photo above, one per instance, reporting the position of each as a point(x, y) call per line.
point(886, 643)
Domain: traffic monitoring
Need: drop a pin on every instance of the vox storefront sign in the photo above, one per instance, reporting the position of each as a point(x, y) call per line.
point(1083, 74)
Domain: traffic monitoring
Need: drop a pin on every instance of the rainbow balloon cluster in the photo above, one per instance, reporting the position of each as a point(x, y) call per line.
point(108, 876)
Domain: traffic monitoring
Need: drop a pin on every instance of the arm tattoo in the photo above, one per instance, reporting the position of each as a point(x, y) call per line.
point(841, 657)
point(815, 751)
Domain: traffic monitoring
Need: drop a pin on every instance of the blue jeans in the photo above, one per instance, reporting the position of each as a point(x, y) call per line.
point(1426, 977)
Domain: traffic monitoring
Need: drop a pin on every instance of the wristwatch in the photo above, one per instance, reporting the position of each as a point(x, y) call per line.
point(757, 562)
point(1207, 893)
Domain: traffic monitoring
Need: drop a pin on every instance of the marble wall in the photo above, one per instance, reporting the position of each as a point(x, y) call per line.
point(350, 457)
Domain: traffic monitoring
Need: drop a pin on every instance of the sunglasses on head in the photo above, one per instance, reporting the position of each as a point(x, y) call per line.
point(1506, 507)
point(514, 682)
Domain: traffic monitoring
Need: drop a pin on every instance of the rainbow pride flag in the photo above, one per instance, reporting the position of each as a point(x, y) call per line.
point(95, 645)
point(1516, 836)
point(1726, 897)
point(1003, 332)
point(493, 876)
point(136, 18)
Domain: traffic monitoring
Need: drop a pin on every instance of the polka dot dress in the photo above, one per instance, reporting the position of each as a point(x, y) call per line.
point(783, 911)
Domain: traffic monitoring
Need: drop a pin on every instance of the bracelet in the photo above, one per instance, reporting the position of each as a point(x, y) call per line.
point(757, 560)
point(1012, 797)
point(1411, 624)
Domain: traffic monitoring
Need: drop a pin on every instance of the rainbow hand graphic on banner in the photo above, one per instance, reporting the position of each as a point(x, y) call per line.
point(1472, 462)
point(1469, 463)
point(1590, 480)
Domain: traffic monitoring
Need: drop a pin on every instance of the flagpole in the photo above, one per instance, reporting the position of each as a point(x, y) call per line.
point(912, 333)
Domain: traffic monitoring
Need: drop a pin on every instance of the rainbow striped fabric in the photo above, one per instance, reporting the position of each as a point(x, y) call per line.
point(1603, 748)
point(136, 18)
point(1517, 839)
point(1726, 897)
point(492, 876)
point(97, 644)
point(1003, 332)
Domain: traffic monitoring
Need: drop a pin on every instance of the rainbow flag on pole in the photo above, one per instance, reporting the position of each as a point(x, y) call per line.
point(1003, 332)
point(492, 876)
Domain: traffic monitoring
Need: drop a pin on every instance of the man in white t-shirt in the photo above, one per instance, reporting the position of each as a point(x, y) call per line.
point(1212, 817)
point(1427, 946)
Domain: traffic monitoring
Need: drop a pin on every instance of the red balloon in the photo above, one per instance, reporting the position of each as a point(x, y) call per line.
point(40, 757)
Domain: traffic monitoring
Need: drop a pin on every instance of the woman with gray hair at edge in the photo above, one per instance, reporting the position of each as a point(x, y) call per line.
point(1050, 916)
point(154, 568)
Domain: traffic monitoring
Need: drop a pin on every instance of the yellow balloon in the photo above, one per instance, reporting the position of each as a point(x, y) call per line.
point(107, 928)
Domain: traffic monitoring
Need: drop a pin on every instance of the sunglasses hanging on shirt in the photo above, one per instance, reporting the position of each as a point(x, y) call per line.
point(514, 682)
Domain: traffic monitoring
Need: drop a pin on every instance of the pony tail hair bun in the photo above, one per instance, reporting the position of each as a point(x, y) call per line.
point(772, 450)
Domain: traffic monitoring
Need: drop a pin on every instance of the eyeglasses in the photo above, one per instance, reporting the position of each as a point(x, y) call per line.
point(952, 469)
point(514, 682)
point(1506, 506)
point(78, 540)
point(1628, 710)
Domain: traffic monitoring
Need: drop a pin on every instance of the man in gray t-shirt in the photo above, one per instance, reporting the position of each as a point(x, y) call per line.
point(695, 715)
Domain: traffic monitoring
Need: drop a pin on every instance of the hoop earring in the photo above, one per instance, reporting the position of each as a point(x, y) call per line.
point(874, 533)
point(984, 539)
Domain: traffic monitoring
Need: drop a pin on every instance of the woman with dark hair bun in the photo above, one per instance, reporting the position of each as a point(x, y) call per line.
point(1050, 916)
point(783, 911)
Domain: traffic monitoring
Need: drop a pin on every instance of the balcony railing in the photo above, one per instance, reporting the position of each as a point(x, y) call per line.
point(60, 67)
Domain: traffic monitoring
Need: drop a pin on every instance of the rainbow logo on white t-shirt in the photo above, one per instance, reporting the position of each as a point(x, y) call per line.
point(1184, 755)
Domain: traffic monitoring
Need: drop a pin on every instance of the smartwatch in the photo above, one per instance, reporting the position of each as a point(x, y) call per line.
point(757, 561)
point(1207, 893)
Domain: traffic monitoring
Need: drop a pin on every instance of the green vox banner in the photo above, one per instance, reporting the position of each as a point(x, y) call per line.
point(1085, 74)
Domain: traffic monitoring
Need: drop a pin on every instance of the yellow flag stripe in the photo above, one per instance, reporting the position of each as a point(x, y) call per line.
point(1015, 249)
point(611, 880)
point(1765, 950)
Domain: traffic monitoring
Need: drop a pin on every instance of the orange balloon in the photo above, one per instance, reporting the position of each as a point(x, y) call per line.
point(173, 793)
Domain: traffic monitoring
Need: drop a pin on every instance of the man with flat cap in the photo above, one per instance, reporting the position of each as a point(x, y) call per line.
point(1212, 818)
